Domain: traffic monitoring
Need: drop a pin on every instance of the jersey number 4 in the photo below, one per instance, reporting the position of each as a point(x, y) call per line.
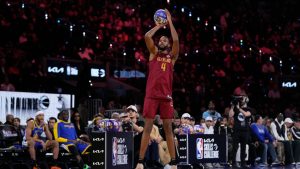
point(163, 66)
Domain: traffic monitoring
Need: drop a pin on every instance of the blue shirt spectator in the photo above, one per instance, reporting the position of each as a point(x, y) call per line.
point(261, 132)
point(211, 112)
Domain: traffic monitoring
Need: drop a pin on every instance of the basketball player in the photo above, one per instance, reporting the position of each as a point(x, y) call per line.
point(159, 88)
point(39, 137)
point(65, 134)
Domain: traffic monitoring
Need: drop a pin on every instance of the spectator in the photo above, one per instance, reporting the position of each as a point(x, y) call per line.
point(279, 133)
point(6, 85)
point(296, 137)
point(9, 120)
point(78, 123)
point(51, 123)
point(265, 140)
point(211, 112)
point(19, 128)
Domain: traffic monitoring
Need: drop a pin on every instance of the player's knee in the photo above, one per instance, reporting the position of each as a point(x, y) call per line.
point(30, 143)
point(55, 143)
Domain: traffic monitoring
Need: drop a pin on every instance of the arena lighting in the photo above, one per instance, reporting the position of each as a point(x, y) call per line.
point(215, 28)
point(124, 53)
point(46, 16)
point(206, 23)
point(198, 19)
point(260, 52)
point(197, 51)
point(185, 54)
point(250, 49)
point(83, 34)
point(71, 28)
point(23, 5)
point(182, 10)
point(168, 1)
point(8, 4)
point(110, 45)
point(97, 37)
point(190, 14)
point(270, 58)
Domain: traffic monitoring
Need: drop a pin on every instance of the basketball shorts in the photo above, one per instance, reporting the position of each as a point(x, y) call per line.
point(164, 107)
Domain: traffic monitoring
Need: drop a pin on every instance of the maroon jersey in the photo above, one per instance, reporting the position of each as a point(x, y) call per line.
point(160, 77)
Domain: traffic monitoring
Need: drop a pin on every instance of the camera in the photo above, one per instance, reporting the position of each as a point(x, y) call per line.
point(236, 100)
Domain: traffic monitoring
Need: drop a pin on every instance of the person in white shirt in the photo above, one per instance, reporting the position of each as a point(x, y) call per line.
point(208, 125)
point(279, 132)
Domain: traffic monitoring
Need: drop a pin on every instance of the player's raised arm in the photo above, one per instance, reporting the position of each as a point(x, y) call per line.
point(175, 46)
point(149, 41)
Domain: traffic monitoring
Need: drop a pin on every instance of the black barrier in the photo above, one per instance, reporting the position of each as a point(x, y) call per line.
point(112, 150)
point(195, 148)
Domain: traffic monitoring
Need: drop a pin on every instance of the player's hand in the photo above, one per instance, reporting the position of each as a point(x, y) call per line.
point(44, 145)
point(161, 25)
point(169, 17)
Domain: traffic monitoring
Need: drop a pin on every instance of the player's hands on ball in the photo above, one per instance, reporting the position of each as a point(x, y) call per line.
point(169, 18)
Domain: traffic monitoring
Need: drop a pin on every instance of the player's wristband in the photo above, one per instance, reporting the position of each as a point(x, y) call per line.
point(173, 162)
point(141, 161)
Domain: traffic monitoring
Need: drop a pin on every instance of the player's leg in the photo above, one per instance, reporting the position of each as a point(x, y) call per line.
point(167, 114)
point(150, 108)
point(52, 144)
point(31, 149)
point(55, 148)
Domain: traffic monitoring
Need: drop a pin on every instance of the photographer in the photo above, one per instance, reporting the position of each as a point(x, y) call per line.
point(242, 120)
point(211, 112)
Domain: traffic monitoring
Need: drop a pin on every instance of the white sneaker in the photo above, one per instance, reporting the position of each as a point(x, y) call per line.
point(167, 166)
point(139, 166)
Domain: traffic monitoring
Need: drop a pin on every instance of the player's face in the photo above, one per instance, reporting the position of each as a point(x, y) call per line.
point(65, 116)
point(163, 43)
point(40, 117)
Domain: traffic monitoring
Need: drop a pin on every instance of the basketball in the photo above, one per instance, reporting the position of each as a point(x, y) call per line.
point(160, 17)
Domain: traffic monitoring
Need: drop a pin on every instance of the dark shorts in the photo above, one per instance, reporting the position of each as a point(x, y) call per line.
point(39, 146)
point(165, 108)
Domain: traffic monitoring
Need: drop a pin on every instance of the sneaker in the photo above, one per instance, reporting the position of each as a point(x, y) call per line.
point(85, 166)
point(139, 166)
point(36, 167)
point(208, 165)
point(275, 163)
point(263, 165)
point(167, 166)
point(55, 167)
point(217, 165)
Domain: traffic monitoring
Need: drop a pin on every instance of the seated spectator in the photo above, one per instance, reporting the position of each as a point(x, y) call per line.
point(279, 133)
point(265, 140)
point(51, 123)
point(211, 112)
point(152, 155)
point(6, 85)
point(79, 126)
point(208, 125)
point(9, 120)
point(65, 134)
point(38, 137)
point(296, 137)
point(185, 127)
point(288, 145)
point(19, 128)
point(116, 116)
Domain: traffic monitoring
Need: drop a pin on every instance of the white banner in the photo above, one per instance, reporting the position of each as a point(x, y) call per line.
point(24, 104)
